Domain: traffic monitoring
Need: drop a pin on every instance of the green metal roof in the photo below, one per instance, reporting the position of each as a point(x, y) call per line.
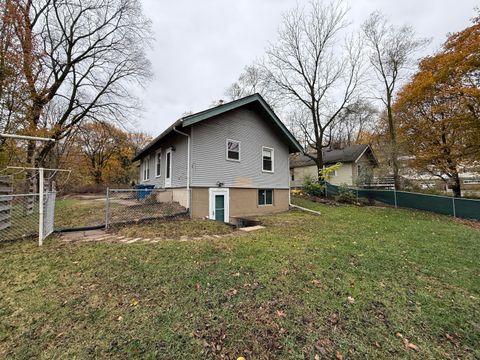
point(255, 99)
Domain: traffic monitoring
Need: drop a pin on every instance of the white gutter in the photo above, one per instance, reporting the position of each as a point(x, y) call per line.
point(188, 168)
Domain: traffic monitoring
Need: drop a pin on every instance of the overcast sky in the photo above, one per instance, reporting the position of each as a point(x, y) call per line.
point(201, 46)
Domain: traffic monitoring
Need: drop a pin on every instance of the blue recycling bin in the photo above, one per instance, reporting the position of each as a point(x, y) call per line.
point(144, 191)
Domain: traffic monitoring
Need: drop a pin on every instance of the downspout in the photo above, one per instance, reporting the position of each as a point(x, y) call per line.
point(289, 181)
point(188, 169)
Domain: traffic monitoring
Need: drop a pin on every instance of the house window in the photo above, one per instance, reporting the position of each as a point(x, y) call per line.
point(158, 163)
point(267, 159)
point(293, 176)
point(168, 165)
point(233, 150)
point(146, 168)
point(265, 197)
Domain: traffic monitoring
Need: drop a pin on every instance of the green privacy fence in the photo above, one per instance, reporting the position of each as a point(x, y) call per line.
point(446, 205)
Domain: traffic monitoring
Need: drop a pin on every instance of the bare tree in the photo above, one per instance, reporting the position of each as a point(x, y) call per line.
point(391, 50)
point(253, 79)
point(80, 60)
point(315, 69)
point(353, 122)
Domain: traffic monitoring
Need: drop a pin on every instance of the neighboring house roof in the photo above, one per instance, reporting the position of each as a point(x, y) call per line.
point(346, 155)
point(254, 101)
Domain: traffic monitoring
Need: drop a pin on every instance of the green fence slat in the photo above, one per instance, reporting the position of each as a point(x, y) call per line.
point(467, 208)
point(464, 208)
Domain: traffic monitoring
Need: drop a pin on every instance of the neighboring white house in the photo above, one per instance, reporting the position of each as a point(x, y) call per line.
point(358, 162)
point(225, 162)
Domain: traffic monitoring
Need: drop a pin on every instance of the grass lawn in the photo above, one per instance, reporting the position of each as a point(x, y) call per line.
point(77, 213)
point(352, 283)
point(174, 229)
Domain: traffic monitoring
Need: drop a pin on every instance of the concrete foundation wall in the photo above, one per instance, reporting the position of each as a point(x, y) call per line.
point(243, 202)
point(175, 195)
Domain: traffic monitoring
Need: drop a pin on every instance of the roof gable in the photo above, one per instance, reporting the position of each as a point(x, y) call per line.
point(255, 100)
point(346, 155)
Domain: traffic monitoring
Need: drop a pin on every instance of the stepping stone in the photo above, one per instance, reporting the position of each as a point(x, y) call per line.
point(252, 228)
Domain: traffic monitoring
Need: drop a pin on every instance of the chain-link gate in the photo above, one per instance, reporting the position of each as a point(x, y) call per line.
point(29, 214)
point(48, 213)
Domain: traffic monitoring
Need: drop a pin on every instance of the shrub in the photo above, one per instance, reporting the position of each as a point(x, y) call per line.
point(345, 195)
point(312, 187)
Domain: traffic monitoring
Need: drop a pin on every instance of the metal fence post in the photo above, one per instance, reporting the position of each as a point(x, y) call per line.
point(40, 207)
point(107, 207)
point(454, 210)
point(395, 195)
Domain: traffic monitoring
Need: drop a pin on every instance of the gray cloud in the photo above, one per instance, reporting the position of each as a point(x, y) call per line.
point(202, 46)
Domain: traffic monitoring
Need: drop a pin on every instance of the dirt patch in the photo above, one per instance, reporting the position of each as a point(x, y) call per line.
point(472, 223)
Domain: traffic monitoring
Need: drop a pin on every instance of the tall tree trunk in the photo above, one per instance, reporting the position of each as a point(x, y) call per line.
point(319, 162)
point(456, 185)
point(393, 143)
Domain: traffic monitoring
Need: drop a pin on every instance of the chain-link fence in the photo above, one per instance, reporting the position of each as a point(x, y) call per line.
point(125, 206)
point(446, 205)
point(19, 216)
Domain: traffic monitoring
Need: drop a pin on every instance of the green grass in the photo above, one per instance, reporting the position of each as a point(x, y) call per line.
point(174, 229)
point(70, 213)
point(279, 293)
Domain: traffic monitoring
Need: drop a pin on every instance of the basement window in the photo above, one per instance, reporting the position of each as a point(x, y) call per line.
point(265, 197)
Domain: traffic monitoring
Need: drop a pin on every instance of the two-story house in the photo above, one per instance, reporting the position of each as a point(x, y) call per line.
point(225, 162)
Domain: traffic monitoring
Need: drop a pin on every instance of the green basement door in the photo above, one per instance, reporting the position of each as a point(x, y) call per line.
point(220, 207)
point(218, 204)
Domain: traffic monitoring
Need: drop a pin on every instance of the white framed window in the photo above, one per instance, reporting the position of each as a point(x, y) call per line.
point(265, 197)
point(158, 163)
point(471, 181)
point(233, 150)
point(146, 168)
point(267, 159)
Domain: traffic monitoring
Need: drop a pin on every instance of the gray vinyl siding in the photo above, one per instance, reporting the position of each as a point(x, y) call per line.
point(179, 162)
point(209, 164)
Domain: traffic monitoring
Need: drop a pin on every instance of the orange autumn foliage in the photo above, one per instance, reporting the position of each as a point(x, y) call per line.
point(438, 110)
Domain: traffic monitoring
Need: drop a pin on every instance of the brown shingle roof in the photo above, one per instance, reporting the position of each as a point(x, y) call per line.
point(348, 154)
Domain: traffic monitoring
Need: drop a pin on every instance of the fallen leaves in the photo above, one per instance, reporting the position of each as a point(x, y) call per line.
point(350, 300)
point(453, 339)
point(408, 345)
point(232, 292)
point(280, 314)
